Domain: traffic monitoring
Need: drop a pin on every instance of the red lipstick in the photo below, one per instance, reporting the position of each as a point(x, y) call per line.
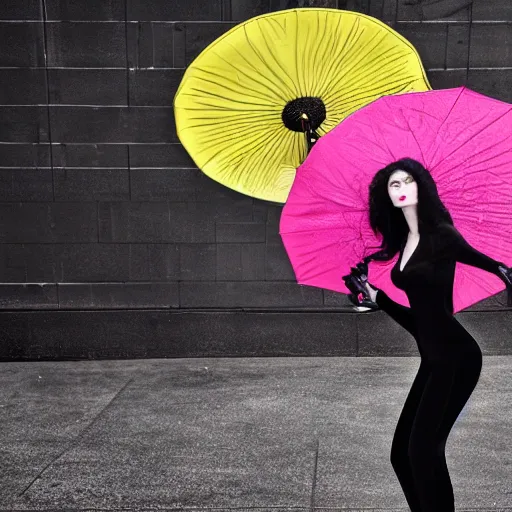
point(402, 198)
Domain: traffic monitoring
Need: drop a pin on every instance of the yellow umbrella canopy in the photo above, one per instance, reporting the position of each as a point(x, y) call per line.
point(239, 106)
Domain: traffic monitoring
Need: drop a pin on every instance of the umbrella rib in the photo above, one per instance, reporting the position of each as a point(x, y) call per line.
point(240, 123)
point(361, 99)
point(383, 140)
point(253, 161)
point(348, 56)
point(348, 70)
point(370, 69)
point(416, 140)
point(221, 149)
point(334, 62)
point(274, 152)
point(236, 119)
point(276, 61)
point(483, 161)
point(309, 231)
point(233, 133)
point(354, 33)
point(276, 87)
point(241, 136)
point(355, 62)
point(337, 63)
point(296, 45)
point(356, 87)
point(488, 148)
point(304, 73)
point(255, 50)
point(451, 109)
point(226, 98)
point(210, 122)
point(223, 77)
point(218, 107)
point(345, 184)
point(320, 29)
point(300, 93)
point(478, 133)
point(448, 114)
point(206, 94)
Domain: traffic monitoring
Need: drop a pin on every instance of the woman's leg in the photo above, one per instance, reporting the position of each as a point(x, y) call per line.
point(447, 390)
point(400, 445)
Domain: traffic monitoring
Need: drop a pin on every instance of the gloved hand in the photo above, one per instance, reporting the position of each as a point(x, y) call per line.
point(361, 271)
point(506, 276)
point(356, 282)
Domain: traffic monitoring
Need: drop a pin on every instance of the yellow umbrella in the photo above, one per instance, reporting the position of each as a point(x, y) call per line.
point(240, 103)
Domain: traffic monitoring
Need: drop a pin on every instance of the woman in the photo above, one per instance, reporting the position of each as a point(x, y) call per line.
point(406, 209)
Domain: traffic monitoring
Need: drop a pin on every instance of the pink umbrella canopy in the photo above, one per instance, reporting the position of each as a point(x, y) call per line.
point(462, 137)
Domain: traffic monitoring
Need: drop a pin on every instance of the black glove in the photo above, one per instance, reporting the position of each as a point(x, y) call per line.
point(355, 282)
point(362, 271)
point(355, 285)
point(506, 276)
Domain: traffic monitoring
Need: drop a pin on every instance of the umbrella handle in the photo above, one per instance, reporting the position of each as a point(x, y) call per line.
point(311, 135)
point(311, 138)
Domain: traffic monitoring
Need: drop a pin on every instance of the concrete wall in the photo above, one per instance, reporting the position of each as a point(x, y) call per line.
point(102, 211)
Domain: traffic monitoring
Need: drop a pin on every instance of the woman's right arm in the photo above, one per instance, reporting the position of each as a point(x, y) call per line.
point(401, 314)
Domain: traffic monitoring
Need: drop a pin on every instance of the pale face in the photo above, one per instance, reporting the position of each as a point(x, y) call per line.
point(402, 189)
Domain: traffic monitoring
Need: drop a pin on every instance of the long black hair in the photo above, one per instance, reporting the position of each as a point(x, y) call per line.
point(389, 220)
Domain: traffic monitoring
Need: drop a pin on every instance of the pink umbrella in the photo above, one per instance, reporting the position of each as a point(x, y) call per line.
point(463, 138)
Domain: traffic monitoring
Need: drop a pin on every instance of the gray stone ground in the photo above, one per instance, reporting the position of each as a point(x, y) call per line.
point(258, 434)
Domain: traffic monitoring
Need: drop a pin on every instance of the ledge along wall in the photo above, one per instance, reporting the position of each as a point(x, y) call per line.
point(114, 245)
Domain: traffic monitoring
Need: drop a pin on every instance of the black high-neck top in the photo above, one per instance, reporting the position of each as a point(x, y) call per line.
point(427, 279)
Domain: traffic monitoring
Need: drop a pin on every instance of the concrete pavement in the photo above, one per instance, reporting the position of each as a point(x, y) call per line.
point(258, 434)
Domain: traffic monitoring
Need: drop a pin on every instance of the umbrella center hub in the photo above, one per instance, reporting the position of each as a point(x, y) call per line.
point(313, 107)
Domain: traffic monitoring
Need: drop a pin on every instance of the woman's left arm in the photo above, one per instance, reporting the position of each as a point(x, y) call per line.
point(462, 251)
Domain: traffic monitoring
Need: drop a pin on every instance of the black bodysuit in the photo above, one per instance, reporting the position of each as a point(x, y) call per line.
point(451, 361)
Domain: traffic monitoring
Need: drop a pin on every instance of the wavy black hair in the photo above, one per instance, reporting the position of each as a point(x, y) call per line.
point(389, 221)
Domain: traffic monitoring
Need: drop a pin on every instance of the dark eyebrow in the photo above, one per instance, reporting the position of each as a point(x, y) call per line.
point(396, 181)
